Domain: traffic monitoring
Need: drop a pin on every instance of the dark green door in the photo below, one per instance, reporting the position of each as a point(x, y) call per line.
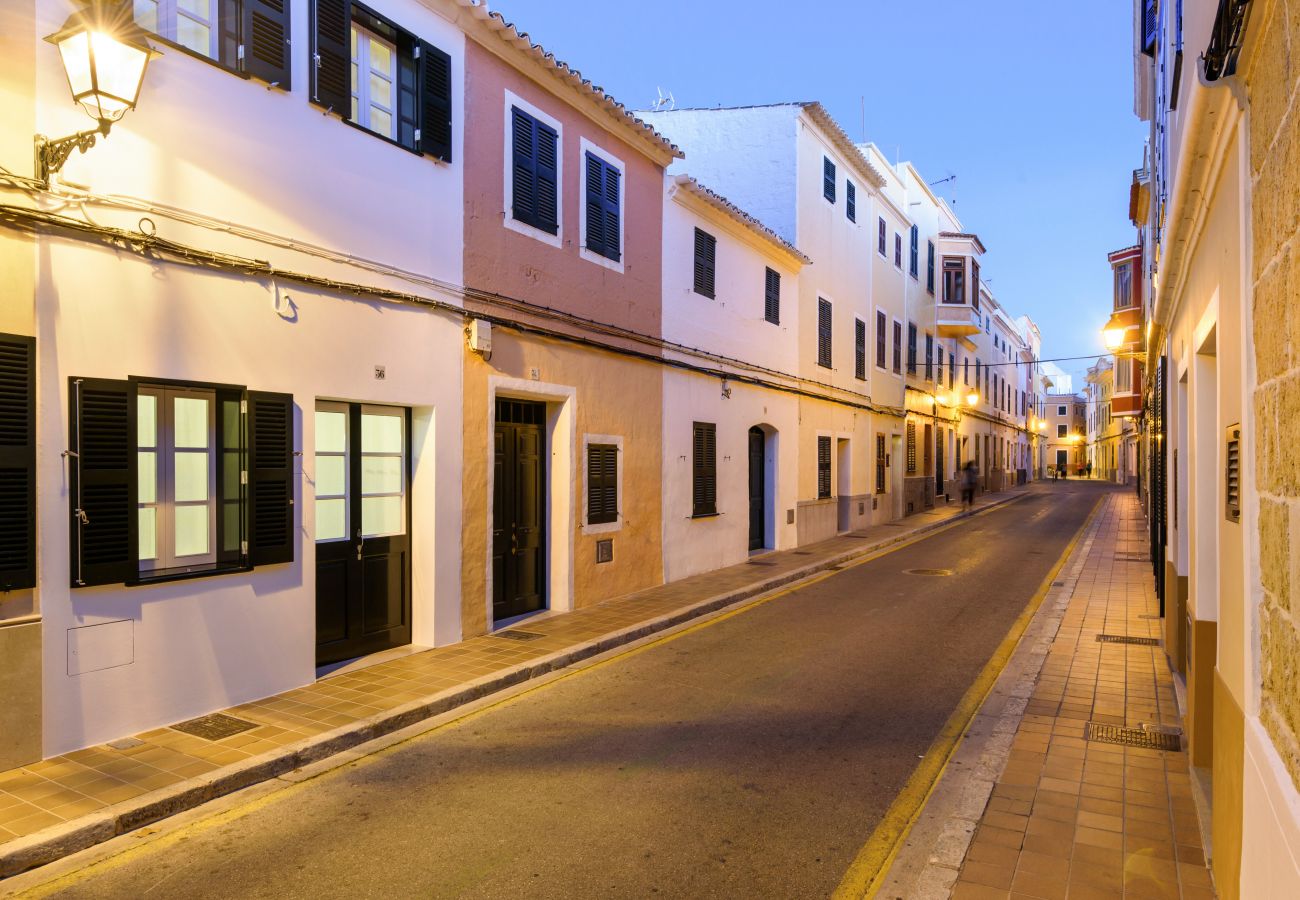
point(363, 543)
point(757, 491)
point(518, 510)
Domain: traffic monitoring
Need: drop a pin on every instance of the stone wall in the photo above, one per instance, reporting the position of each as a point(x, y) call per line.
point(1272, 77)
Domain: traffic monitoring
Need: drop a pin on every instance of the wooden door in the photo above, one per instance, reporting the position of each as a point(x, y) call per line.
point(363, 542)
point(757, 490)
point(518, 510)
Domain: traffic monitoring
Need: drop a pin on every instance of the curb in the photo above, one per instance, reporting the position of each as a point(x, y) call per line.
point(50, 844)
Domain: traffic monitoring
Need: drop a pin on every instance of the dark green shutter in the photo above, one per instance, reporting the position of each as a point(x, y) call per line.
point(331, 55)
point(823, 467)
point(435, 102)
point(266, 41)
point(270, 478)
point(17, 462)
point(772, 297)
point(880, 339)
point(859, 348)
point(602, 484)
point(704, 471)
point(602, 206)
point(823, 333)
point(535, 181)
point(102, 482)
point(850, 201)
point(706, 249)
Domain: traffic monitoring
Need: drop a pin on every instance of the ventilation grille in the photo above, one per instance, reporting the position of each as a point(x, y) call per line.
point(1125, 639)
point(1232, 475)
point(1147, 737)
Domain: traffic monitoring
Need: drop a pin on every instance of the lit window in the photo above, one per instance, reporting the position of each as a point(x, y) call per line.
point(374, 71)
point(190, 23)
point(176, 466)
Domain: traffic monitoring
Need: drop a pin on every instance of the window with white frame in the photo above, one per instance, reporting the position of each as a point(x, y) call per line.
point(331, 472)
point(1060, 410)
point(383, 471)
point(1061, 430)
point(1123, 377)
point(177, 472)
point(374, 75)
point(189, 23)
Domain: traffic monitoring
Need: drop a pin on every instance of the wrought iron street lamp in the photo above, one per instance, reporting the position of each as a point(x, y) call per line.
point(104, 55)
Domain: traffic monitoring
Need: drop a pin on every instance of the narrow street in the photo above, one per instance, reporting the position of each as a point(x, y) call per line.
point(750, 757)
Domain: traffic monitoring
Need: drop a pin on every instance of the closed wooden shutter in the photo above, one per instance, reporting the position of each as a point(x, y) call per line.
point(704, 469)
point(772, 297)
point(911, 348)
point(823, 333)
point(915, 258)
point(880, 236)
point(706, 248)
point(828, 179)
point(952, 366)
point(17, 462)
point(911, 448)
point(602, 483)
point(331, 62)
point(929, 266)
point(535, 175)
point(823, 467)
point(898, 348)
point(850, 201)
point(1150, 25)
point(266, 41)
point(435, 102)
point(602, 207)
point(270, 478)
point(881, 339)
point(103, 482)
point(880, 463)
point(860, 348)
point(929, 357)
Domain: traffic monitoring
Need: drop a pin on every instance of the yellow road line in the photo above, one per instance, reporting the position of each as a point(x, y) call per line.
point(217, 819)
point(873, 861)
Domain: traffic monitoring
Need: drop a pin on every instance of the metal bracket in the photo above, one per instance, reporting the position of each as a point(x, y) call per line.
point(51, 155)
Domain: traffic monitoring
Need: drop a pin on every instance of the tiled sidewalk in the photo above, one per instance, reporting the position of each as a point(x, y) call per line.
point(109, 789)
point(1080, 819)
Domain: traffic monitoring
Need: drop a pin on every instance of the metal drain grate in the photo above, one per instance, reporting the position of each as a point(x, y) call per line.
point(1125, 639)
point(937, 573)
point(516, 635)
point(1150, 737)
point(215, 727)
point(1133, 557)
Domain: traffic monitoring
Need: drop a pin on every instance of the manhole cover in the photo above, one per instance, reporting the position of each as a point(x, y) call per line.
point(516, 635)
point(938, 573)
point(215, 727)
point(1125, 639)
point(1131, 737)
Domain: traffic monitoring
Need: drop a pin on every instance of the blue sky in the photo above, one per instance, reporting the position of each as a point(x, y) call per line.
point(1029, 104)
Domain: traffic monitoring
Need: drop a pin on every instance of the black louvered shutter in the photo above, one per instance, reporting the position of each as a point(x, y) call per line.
point(823, 333)
point(823, 467)
point(881, 339)
point(850, 201)
point(706, 248)
point(270, 478)
point(331, 52)
point(704, 469)
point(103, 482)
point(435, 102)
point(602, 196)
point(535, 148)
point(772, 297)
point(547, 170)
point(859, 348)
point(17, 462)
point(602, 484)
point(828, 179)
point(266, 41)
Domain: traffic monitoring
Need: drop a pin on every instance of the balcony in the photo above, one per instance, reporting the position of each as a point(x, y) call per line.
point(956, 320)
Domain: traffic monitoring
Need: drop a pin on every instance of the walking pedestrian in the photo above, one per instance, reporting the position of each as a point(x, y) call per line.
point(969, 477)
point(1089, 468)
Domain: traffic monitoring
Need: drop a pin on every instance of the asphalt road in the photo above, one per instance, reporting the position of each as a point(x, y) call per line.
point(748, 758)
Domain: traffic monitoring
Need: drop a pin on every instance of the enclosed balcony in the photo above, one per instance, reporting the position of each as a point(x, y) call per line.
point(957, 314)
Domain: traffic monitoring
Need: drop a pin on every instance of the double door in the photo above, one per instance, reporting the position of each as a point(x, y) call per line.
point(363, 543)
point(518, 510)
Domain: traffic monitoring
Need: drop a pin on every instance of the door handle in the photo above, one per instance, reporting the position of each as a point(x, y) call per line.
point(514, 542)
point(361, 543)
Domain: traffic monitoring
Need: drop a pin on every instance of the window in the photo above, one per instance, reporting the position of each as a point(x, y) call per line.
point(823, 467)
point(911, 448)
point(911, 348)
point(604, 226)
point(823, 333)
point(1124, 286)
point(361, 471)
point(954, 279)
point(704, 469)
point(929, 357)
point(898, 348)
point(916, 251)
point(850, 201)
point(929, 267)
point(881, 461)
point(880, 236)
point(898, 250)
point(535, 177)
point(173, 479)
point(881, 339)
point(828, 179)
point(706, 246)
point(247, 36)
point(772, 297)
point(965, 371)
point(1061, 430)
point(952, 370)
point(17, 462)
point(1060, 410)
point(1124, 376)
point(602, 484)
point(978, 371)
point(975, 286)
point(373, 73)
point(860, 349)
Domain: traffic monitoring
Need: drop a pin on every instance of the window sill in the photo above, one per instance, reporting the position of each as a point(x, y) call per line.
point(519, 226)
point(712, 515)
point(385, 138)
point(162, 577)
point(600, 259)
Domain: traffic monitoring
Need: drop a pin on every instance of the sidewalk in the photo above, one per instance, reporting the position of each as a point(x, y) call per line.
point(53, 808)
point(1081, 818)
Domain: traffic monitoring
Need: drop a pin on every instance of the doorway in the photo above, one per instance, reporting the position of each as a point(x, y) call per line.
point(844, 485)
point(757, 489)
point(363, 542)
point(518, 510)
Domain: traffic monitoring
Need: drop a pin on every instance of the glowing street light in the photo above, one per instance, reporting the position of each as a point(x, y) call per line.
point(1113, 333)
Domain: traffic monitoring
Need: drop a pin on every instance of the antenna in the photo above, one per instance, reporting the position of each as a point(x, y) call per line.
point(952, 194)
point(664, 101)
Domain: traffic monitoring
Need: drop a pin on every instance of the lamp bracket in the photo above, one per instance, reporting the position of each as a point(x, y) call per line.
point(52, 154)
